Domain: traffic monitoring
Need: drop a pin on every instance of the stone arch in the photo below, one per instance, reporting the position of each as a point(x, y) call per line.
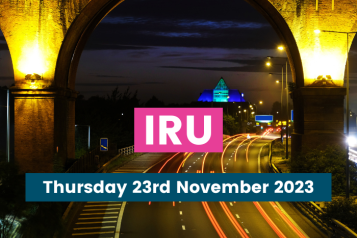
point(81, 29)
point(3, 48)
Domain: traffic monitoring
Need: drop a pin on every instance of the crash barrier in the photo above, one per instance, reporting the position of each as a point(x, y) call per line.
point(126, 151)
point(334, 227)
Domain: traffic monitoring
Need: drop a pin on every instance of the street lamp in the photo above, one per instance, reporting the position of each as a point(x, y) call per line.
point(245, 113)
point(88, 134)
point(287, 98)
point(317, 31)
point(281, 94)
point(7, 124)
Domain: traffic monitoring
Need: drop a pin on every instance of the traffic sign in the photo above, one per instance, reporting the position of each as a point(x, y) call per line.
point(264, 118)
point(292, 115)
point(103, 144)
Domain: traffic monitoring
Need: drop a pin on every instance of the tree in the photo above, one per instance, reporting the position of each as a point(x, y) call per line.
point(154, 102)
point(343, 210)
point(18, 217)
point(327, 160)
point(12, 198)
point(281, 116)
point(110, 117)
point(230, 126)
point(276, 108)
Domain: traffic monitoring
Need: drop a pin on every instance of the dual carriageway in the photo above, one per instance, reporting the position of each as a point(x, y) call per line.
point(242, 154)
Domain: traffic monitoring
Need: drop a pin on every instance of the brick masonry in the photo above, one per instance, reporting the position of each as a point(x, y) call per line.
point(35, 30)
point(323, 53)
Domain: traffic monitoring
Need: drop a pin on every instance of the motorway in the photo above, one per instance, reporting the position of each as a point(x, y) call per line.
point(206, 219)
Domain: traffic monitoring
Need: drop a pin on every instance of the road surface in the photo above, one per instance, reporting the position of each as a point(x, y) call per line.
point(200, 219)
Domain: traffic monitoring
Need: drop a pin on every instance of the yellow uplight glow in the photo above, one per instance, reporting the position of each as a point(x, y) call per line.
point(281, 48)
point(324, 59)
point(268, 63)
point(31, 61)
point(317, 31)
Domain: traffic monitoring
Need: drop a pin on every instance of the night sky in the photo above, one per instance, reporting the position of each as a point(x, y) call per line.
point(176, 49)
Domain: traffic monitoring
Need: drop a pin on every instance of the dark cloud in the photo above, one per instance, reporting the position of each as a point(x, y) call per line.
point(105, 84)
point(94, 45)
point(116, 84)
point(109, 36)
point(109, 76)
point(256, 89)
point(171, 55)
point(243, 68)
point(211, 10)
point(254, 64)
point(204, 24)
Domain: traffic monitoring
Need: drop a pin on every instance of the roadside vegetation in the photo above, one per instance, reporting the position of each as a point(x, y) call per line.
point(19, 218)
point(332, 160)
point(231, 126)
point(343, 210)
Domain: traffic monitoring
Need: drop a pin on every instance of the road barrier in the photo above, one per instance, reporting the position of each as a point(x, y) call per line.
point(334, 227)
point(126, 151)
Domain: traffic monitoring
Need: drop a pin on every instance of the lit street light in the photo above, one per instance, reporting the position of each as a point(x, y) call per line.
point(88, 134)
point(317, 31)
point(287, 97)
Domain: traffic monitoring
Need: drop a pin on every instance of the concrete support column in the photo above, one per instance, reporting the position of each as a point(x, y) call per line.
point(319, 117)
point(43, 129)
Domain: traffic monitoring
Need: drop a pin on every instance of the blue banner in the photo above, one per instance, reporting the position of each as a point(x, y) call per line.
point(59, 187)
point(264, 118)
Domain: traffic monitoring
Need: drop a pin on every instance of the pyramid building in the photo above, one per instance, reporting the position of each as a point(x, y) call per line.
point(221, 93)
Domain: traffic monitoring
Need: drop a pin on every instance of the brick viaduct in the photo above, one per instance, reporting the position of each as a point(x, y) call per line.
point(47, 37)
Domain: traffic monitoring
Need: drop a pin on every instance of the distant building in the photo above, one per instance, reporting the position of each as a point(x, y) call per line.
point(221, 93)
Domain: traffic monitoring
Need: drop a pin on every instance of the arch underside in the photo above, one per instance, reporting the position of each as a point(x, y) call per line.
point(82, 27)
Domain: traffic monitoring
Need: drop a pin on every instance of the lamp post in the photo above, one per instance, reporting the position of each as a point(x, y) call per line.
point(245, 113)
point(287, 95)
point(88, 134)
point(8, 125)
point(347, 104)
point(281, 95)
point(260, 103)
point(282, 87)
